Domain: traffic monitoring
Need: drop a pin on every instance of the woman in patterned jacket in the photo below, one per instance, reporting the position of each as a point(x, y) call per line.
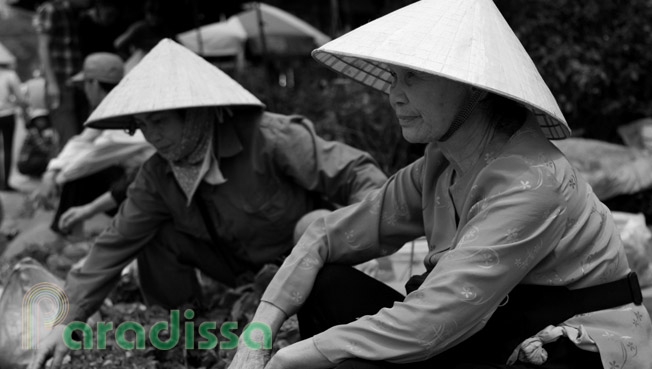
point(525, 266)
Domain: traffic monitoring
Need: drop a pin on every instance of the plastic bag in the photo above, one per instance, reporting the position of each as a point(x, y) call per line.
point(637, 134)
point(16, 345)
point(610, 169)
point(637, 241)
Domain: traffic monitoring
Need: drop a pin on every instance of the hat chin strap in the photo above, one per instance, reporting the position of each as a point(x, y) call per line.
point(464, 112)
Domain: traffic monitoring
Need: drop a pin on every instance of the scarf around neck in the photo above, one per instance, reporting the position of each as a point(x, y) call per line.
point(192, 158)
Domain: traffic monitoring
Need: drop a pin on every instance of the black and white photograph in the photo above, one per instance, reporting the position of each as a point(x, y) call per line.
point(368, 184)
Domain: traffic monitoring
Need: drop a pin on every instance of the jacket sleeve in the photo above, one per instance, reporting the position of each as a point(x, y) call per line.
point(515, 225)
point(342, 173)
point(351, 235)
point(78, 145)
point(132, 228)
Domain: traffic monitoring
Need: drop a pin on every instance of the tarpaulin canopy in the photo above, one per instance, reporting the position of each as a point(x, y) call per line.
point(217, 39)
point(284, 33)
point(5, 56)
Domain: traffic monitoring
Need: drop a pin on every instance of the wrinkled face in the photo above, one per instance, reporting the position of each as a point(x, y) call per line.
point(163, 129)
point(425, 104)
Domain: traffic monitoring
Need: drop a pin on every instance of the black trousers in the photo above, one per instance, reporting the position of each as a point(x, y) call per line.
point(365, 296)
point(166, 267)
point(7, 127)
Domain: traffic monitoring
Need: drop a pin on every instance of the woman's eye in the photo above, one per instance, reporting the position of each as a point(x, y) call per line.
point(392, 78)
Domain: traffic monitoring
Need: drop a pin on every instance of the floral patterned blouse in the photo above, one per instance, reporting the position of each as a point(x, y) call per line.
point(520, 215)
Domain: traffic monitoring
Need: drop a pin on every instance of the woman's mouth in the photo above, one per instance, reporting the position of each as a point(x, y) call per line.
point(406, 119)
point(162, 146)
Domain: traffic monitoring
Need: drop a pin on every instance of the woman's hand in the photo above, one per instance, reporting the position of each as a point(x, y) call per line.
point(252, 358)
point(249, 358)
point(51, 346)
point(300, 355)
point(73, 216)
point(45, 195)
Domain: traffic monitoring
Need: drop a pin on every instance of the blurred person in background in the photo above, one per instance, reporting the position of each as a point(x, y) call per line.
point(57, 27)
point(41, 144)
point(11, 98)
point(41, 141)
point(92, 172)
point(99, 26)
point(144, 34)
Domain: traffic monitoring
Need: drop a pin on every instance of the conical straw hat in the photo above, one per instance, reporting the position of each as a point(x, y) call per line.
point(169, 77)
point(464, 40)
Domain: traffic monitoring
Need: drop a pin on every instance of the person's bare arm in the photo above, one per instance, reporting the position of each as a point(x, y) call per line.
point(46, 193)
point(78, 214)
point(52, 88)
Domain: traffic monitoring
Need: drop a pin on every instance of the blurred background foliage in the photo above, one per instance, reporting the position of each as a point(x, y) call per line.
point(594, 55)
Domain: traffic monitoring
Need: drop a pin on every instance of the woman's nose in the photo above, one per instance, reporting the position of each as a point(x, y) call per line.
point(397, 96)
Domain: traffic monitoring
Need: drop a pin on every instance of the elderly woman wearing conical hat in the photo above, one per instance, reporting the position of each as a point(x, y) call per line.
point(225, 193)
point(525, 267)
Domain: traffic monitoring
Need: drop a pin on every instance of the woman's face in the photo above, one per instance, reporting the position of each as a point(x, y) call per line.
point(425, 104)
point(163, 129)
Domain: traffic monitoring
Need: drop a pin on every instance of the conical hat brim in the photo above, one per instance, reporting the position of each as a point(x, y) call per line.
point(464, 40)
point(169, 77)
